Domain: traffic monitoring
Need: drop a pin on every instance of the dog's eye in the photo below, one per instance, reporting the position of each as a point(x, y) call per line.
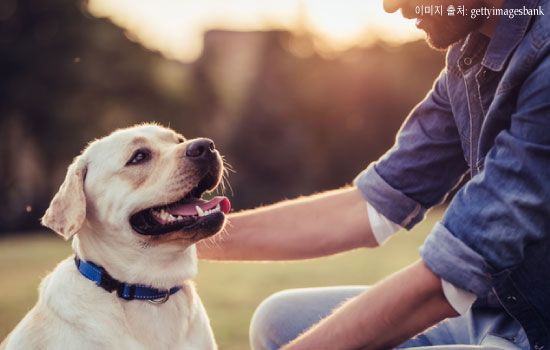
point(139, 156)
point(181, 139)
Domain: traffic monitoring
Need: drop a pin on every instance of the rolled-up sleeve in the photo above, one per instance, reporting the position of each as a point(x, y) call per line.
point(506, 207)
point(425, 163)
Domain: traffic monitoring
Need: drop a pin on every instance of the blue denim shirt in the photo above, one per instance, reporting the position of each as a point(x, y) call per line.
point(487, 118)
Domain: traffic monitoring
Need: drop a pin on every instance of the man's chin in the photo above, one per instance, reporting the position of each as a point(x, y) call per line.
point(442, 40)
point(437, 43)
point(442, 34)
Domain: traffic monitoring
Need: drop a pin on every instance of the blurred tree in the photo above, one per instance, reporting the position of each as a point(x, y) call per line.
point(308, 123)
point(67, 78)
point(289, 120)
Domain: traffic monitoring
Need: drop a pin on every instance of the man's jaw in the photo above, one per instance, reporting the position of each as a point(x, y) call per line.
point(441, 34)
point(441, 31)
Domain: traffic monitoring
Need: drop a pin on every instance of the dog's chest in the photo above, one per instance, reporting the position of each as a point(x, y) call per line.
point(160, 326)
point(179, 323)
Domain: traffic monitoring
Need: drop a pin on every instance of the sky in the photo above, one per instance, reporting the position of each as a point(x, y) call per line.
point(176, 27)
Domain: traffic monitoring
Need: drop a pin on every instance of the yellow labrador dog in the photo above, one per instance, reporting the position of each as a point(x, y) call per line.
point(132, 203)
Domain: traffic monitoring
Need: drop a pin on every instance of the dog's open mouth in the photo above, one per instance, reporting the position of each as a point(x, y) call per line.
point(188, 213)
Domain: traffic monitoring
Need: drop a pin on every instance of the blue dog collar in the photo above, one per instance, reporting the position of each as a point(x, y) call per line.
point(125, 291)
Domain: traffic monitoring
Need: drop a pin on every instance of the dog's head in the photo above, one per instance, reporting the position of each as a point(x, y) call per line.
point(142, 183)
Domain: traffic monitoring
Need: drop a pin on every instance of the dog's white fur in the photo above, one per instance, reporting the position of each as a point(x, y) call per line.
point(93, 204)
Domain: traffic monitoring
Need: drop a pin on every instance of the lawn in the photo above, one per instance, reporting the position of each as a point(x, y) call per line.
point(230, 291)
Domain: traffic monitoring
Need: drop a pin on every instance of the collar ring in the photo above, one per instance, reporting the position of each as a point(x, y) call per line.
point(161, 300)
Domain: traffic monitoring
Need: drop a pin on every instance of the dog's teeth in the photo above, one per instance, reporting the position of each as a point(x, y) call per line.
point(202, 212)
point(199, 210)
point(166, 216)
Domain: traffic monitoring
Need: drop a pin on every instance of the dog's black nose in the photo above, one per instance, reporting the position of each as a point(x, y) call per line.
point(200, 148)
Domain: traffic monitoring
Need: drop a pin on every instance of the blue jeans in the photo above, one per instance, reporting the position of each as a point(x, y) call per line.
point(286, 314)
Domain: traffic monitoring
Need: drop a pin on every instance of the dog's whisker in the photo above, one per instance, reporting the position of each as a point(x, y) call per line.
point(221, 188)
point(209, 242)
point(227, 166)
point(228, 184)
point(227, 224)
point(229, 169)
point(217, 239)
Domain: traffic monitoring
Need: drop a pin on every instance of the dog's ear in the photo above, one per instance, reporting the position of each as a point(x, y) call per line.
point(67, 210)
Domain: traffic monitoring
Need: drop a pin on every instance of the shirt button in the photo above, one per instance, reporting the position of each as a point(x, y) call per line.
point(511, 299)
point(467, 61)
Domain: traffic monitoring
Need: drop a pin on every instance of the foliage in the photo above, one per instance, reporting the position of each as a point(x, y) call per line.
point(290, 123)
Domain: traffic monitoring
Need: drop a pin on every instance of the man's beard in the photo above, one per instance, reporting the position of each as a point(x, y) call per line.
point(443, 31)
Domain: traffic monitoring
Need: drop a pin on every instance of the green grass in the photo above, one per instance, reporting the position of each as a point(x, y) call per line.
point(230, 291)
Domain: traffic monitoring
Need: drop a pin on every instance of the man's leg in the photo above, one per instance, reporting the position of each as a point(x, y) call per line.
point(286, 314)
point(484, 328)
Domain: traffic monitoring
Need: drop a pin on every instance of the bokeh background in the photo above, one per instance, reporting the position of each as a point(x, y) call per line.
point(299, 95)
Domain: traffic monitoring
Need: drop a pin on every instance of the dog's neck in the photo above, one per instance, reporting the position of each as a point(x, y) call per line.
point(160, 266)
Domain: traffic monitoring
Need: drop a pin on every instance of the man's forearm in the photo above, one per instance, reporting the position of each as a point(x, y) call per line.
point(302, 228)
point(389, 313)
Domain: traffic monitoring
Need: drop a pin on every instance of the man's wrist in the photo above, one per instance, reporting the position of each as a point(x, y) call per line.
point(382, 229)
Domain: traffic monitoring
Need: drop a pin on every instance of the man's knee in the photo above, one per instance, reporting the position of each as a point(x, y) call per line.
point(269, 322)
point(285, 315)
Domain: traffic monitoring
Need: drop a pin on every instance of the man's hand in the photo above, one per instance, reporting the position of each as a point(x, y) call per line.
point(385, 316)
point(302, 228)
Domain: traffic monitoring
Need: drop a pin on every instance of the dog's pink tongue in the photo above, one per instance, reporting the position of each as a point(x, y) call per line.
point(189, 208)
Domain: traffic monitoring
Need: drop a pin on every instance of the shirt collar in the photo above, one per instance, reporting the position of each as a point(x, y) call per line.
point(508, 34)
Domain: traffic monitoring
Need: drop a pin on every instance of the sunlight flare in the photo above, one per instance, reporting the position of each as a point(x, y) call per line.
point(175, 28)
